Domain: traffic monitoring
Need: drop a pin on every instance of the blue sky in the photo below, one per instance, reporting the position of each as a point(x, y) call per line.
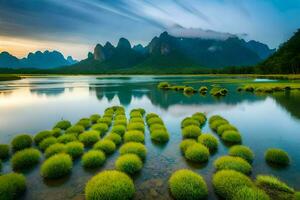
point(75, 26)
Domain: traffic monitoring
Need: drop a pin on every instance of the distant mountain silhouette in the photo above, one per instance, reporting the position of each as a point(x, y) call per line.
point(40, 60)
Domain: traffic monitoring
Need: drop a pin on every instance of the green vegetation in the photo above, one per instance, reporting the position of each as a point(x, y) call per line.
point(21, 142)
point(154, 120)
point(76, 130)
point(55, 149)
point(63, 124)
point(12, 186)
point(102, 128)
point(119, 129)
point(189, 90)
point(67, 138)
point(197, 153)
point(109, 185)
point(154, 127)
point(233, 163)
point(4, 151)
point(203, 89)
point(277, 156)
point(129, 163)
point(107, 146)
point(189, 121)
point(186, 143)
point(136, 126)
point(41, 136)
point(191, 132)
point(120, 122)
point(135, 148)
point(225, 127)
point(200, 117)
point(247, 193)
point(209, 141)
point(105, 120)
point(88, 138)
point(218, 92)
point(215, 124)
point(56, 132)
point(160, 135)
point(9, 77)
point(116, 138)
point(134, 136)
point(163, 85)
point(186, 184)
point(94, 118)
point(75, 149)
point(232, 137)
point(93, 159)
point(242, 152)
point(85, 122)
point(151, 115)
point(47, 142)
point(57, 166)
point(25, 159)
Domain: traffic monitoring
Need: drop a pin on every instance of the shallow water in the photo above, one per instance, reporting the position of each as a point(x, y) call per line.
point(34, 104)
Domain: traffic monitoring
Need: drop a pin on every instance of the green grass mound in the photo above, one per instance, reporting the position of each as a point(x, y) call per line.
point(247, 193)
point(110, 185)
point(209, 141)
point(21, 142)
point(102, 128)
point(129, 163)
point(228, 183)
point(189, 121)
point(275, 188)
point(154, 127)
point(47, 142)
point(76, 129)
point(67, 138)
point(56, 132)
point(297, 196)
point(218, 92)
point(154, 120)
point(136, 119)
point(215, 124)
point(57, 166)
point(4, 151)
point(63, 124)
point(120, 122)
point(119, 129)
point(163, 85)
point(116, 138)
point(93, 159)
point(160, 136)
point(184, 144)
point(25, 159)
point(75, 149)
point(134, 114)
point(120, 117)
point(88, 138)
point(107, 146)
point(136, 126)
point(12, 186)
point(189, 90)
point(233, 163)
point(41, 136)
point(85, 122)
point(186, 184)
point(135, 148)
point(94, 118)
point(151, 115)
point(197, 153)
point(134, 136)
point(225, 127)
point(232, 137)
point(214, 118)
point(200, 117)
point(55, 149)
point(105, 120)
point(203, 89)
point(242, 152)
point(191, 132)
point(277, 156)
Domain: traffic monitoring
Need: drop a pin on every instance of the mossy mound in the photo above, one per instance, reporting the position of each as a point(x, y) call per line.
point(107, 146)
point(93, 159)
point(56, 132)
point(184, 144)
point(136, 119)
point(214, 118)
point(119, 129)
point(22, 141)
point(63, 124)
point(12, 186)
point(85, 122)
point(105, 120)
point(247, 193)
point(189, 121)
point(151, 115)
point(200, 117)
point(186, 184)
point(41, 136)
point(47, 142)
point(66, 138)
point(233, 163)
point(136, 126)
point(4, 151)
point(120, 122)
point(163, 85)
point(203, 89)
point(225, 127)
point(197, 153)
point(242, 152)
point(109, 185)
point(215, 124)
point(102, 128)
point(88, 138)
point(277, 156)
point(189, 90)
point(232, 137)
point(191, 132)
point(116, 138)
point(94, 118)
point(134, 136)
point(25, 159)
point(75, 149)
point(55, 149)
point(76, 129)
point(160, 136)
point(129, 163)
point(154, 127)
point(209, 141)
point(135, 148)
point(154, 120)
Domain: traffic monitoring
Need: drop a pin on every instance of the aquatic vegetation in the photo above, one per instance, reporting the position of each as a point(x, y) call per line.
point(200, 117)
point(63, 125)
point(215, 124)
point(277, 156)
point(154, 120)
point(110, 184)
point(191, 132)
point(160, 135)
point(232, 137)
point(56, 132)
point(94, 118)
point(151, 115)
point(116, 138)
point(93, 159)
point(189, 121)
point(209, 141)
point(119, 129)
point(120, 122)
point(120, 117)
point(134, 136)
point(135, 148)
point(57, 166)
point(25, 159)
point(136, 126)
point(135, 114)
point(184, 144)
point(75, 149)
point(102, 128)
point(76, 129)
point(242, 152)
point(66, 138)
point(186, 184)
point(107, 146)
point(163, 85)
point(85, 122)
point(233, 163)
point(154, 127)
point(203, 89)
point(88, 138)
point(247, 193)
point(105, 120)
point(22, 141)
point(55, 149)
point(214, 118)
point(227, 183)
point(249, 88)
point(136, 119)
point(4, 151)
point(197, 153)
point(12, 186)
point(189, 90)
point(129, 163)
point(47, 142)
point(41, 136)
point(218, 92)
point(225, 127)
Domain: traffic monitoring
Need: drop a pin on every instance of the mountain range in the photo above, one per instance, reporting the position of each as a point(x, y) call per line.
point(39, 60)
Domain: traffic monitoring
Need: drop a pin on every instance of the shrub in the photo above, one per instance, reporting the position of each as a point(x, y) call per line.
point(277, 156)
point(191, 132)
point(107, 146)
point(209, 141)
point(4, 151)
point(154, 120)
point(119, 129)
point(136, 126)
point(135, 148)
point(151, 115)
point(228, 182)
point(102, 128)
point(41, 136)
point(120, 117)
point(233, 163)
point(215, 124)
point(163, 85)
point(55, 149)
point(21, 142)
point(25, 159)
point(275, 188)
point(225, 127)
point(93, 159)
point(135, 114)
point(186, 184)
point(56, 132)
point(232, 137)
point(249, 88)
point(160, 135)
point(214, 118)
point(76, 129)
point(85, 122)
point(247, 193)
point(116, 138)
point(108, 185)
point(105, 120)
point(154, 127)
point(120, 122)
point(66, 138)
point(94, 118)
point(189, 90)
point(57, 166)
point(75, 149)
point(189, 121)
point(136, 119)
point(47, 142)
point(186, 143)
point(129, 163)
point(200, 117)
point(12, 186)
point(89, 138)
point(63, 124)
point(203, 89)
point(243, 152)
point(134, 136)
point(197, 153)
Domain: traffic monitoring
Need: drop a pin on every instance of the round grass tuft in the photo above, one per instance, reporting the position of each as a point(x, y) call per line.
point(197, 153)
point(134, 136)
point(63, 124)
point(186, 143)
point(154, 127)
point(116, 138)
point(93, 159)
point(120, 122)
point(160, 135)
point(214, 118)
point(85, 122)
point(136, 126)
point(107, 146)
point(129, 163)
point(189, 121)
point(186, 184)
point(41, 136)
point(209, 141)
point(225, 127)
point(57, 166)
point(88, 138)
point(277, 156)
point(189, 90)
point(191, 132)
point(232, 137)
point(21, 142)
point(247, 193)
point(76, 129)
point(119, 129)
point(75, 149)
point(200, 117)
point(109, 185)
point(135, 148)
point(4, 151)
point(151, 115)
point(25, 159)
point(94, 118)
point(154, 120)
point(47, 142)
point(243, 152)
point(56, 132)
point(102, 128)
point(12, 186)
point(105, 120)
point(233, 163)
point(66, 138)
point(215, 124)
point(55, 149)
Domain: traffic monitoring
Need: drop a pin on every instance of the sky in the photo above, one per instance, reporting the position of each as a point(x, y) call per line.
point(74, 27)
